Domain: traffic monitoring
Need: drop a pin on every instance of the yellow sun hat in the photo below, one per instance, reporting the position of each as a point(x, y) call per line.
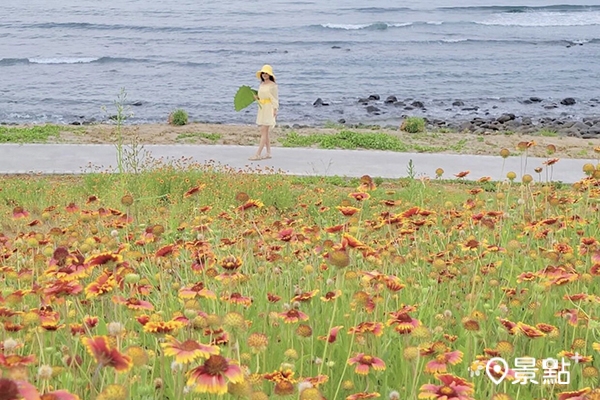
point(266, 68)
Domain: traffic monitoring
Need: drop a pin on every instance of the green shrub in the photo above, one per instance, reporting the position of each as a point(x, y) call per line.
point(178, 117)
point(413, 125)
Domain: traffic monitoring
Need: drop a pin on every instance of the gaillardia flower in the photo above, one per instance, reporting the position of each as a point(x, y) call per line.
point(366, 362)
point(105, 354)
point(187, 351)
point(213, 375)
point(452, 388)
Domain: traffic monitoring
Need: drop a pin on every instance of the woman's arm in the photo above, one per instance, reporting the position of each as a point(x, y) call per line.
point(275, 97)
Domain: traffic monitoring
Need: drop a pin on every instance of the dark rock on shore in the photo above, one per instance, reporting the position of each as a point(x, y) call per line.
point(319, 102)
point(588, 128)
point(505, 118)
point(83, 121)
point(372, 109)
point(481, 120)
point(569, 101)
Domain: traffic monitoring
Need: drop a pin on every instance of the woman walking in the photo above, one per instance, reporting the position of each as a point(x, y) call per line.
point(268, 105)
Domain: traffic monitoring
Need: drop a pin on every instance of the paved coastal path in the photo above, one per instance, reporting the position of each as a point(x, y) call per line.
point(78, 159)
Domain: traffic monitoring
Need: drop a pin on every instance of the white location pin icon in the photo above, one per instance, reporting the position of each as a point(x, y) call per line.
point(499, 364)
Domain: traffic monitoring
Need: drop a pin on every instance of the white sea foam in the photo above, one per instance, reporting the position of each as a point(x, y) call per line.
point(345, 26)
point(63, 60)
point(376, 25)
point(540, 19)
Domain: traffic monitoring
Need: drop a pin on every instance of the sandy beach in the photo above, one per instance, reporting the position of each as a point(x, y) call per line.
point(247, 135)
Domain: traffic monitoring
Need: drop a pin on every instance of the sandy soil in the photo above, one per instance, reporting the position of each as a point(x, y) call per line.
point(196, 133)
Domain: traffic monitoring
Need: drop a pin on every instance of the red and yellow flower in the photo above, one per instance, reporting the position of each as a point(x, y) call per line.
point(332, 337)
point(452, 387)
point(365, 363)
point(214, 374)
point(105, 354)
point(292, 316)
point(575, 395)
point(197, 290)
point(363, 395)
point(402, 322)
point(187, 351)
point(103, 284)
point(440, 364)
point(376, 328)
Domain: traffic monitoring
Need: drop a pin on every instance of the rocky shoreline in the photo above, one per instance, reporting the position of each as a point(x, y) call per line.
point(568, 117)
point(483, 122)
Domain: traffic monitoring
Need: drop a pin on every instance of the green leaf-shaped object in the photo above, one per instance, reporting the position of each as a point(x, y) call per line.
point(244, 97)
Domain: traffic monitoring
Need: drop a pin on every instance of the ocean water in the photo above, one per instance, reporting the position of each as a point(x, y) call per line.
point(67, 60)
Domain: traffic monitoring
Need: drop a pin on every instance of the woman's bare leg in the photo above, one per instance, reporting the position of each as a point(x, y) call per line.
point(268, 142)
point(264, 133)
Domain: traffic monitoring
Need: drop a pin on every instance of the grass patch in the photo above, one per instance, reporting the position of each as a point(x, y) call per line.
point(262, 266)
point(333, 125)
point(459, 146)
point(371, 141)
point(34, 134)
point(345, 140)
point(547, 133)
point(193, 136)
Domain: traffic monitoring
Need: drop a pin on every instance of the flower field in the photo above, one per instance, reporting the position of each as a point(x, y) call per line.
point(193, 283)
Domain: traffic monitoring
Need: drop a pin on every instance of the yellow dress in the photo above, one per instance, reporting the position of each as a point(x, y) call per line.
point(268, 101)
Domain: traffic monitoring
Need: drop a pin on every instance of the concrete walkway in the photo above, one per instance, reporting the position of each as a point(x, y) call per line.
point(78, 159)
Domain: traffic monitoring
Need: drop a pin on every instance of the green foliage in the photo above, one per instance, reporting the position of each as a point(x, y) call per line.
point(547, 133)
point(178, 117)
point(346, 140)
point(413, 125)
point(333, 125)
point(326, 180)
point(34, 134)
point(123, 112)
point(355, 140)
point(244, 97)
point(459, 146)
point(213, 137)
